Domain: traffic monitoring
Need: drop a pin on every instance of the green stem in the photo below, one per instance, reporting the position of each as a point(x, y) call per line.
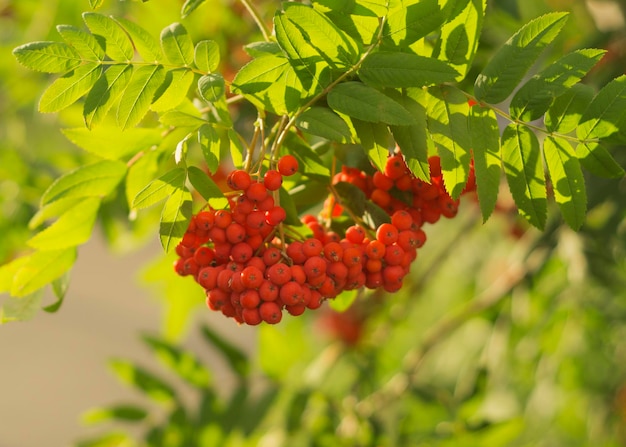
point(256, 16)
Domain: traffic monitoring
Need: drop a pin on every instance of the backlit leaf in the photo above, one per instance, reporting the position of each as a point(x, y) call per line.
point(146, 45)
point(137, 377)
point(48, 57)
point(139, 94)
point(309, 161)
point(189, 6)
point(506, 69)
point(598, 160)
point(207, 56)
point(605, 117)
point(160, 189)
point(177, 45)
point(21, 309)
point(69, 88)
point(98, 179)
point(210, 144)
point(212, 87)
point(175, 218)
point(105, 92)
point(406, 25)
point(207, 188)
point(521, 157)
point(567, 180)
point(117, 43)
point(40, 269)
point(324, 123)
point(174, 89)
point(85, 43)
point(113, 143)
point(360, 101)
point(375, 139)
point(401, 70)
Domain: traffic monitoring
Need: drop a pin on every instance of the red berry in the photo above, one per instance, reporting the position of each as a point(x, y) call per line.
point(287, 165)
point(270, 312)
point(387, 233)
point(395, 167)
point(251, 316)
point(355, 234)
point(272, 180)
point(256, 192)
point(204, 220)
point(252, 277)
point(291, 293)
point(239, 180)
point(249, 299)
point(275, 215)
point(279, 273)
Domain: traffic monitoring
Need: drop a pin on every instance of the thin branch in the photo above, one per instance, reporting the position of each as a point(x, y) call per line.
point(256, 16)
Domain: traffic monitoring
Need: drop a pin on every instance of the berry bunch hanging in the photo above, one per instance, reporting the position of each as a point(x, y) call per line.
point(252, 272)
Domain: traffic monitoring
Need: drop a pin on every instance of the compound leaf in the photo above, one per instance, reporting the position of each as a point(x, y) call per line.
point(139, 94)
point(323, 122)
point(606, 115)
point(207, 188)
point(207, 56)
point(69, 88)
point(212, 87)
point(105, 92)
point(597, 159)
point(85, 43)
point(566, 111)
point(48, 57)
point(41, 268)
point(160, 188)
point(375, 139)
point(113, 143)
point(146, 45)
point(177, 45)
point(402, 70)
point(175, 218)
point(117, 43)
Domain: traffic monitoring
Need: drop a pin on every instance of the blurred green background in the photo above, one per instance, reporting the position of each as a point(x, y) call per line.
point(503, 336)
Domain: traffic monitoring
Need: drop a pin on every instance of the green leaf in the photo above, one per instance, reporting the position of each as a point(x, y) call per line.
point(207, 188)
point(331, 43)
point(351, 197)
point(60, 287)
point(95, 4)
point(406, 25)
point(117, 43)
point(447, 124)
point(566, 111)
point(175, 218)
point(374, 216)
point(54, 209)
point(69, 88)
point(210, 144)
point(289, 205)
point(154, 387)
point(270, 83)
point(105, 92)
point(506, 69)
point(174, 90)
point(402, 70)
point(8, 272)
point(160, 189)
point(41, 268)
point(309, 161)
point(183, 363)
point(236, 358)
point(598, 160)
point(98, 179)
point(116, 438)
point(207, 56)
point(258, 49)
point(521, 157)
point(458, 41)
point(375, 140)
point(485, 135)
point(85, 43)
point(363, 102)
point(21, 309)
point(136, 99)
point(343, 301)
point(567, 180)
point(146, 45)
point(189, 6)
point(186, 115)
point(212, 87)
point(73, 228)
point(115, 413)
point(113, 143)
point(48, 57)
point(177, 45)
point(413, 140)
point(605, 117)
point(533, 99)
point(322, 122)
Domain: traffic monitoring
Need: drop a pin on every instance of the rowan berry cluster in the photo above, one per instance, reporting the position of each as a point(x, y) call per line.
point(252, 274)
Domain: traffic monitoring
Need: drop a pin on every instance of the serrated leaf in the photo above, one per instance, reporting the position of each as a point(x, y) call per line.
point(521, 158)
point(606, 115)
point(139, 94)
point(343, 301)
point(118, 412)
point(447, 114)
point(567, 180)
point(309, 161)
point(212, 87)
point(406, 25)
point(402, 70)
point(73, 227)
point(459, 37)
point(113, 143)
point(331, 43)
point(160, 189)
point(85, 43)
point(174, 90)
point(105, 92)
point(412, 140)
point(270, 83)
point(207, 188)
point(186, 365)
point(116, 42)
point(533, 99)
point(207, 56)
point(146, 382)
point(189, 6)
point(324, 123)
point(69, 88)
point(21, 309)
point(566, 111)
point(485, 136)
point(363, 102)
point(210, 144)
point(40, 269)
point(48, 57)
point(177, 45)
point(263, 48)
point(375, 139)
point(598, 160)
point(351, 197)
point(145, 44)
point(506, 69)
point(52, 210)
point(175, 218)
point(98, 179)
point(236, 358)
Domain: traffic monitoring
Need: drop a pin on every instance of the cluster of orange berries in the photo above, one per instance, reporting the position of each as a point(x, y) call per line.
point(251, 275)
